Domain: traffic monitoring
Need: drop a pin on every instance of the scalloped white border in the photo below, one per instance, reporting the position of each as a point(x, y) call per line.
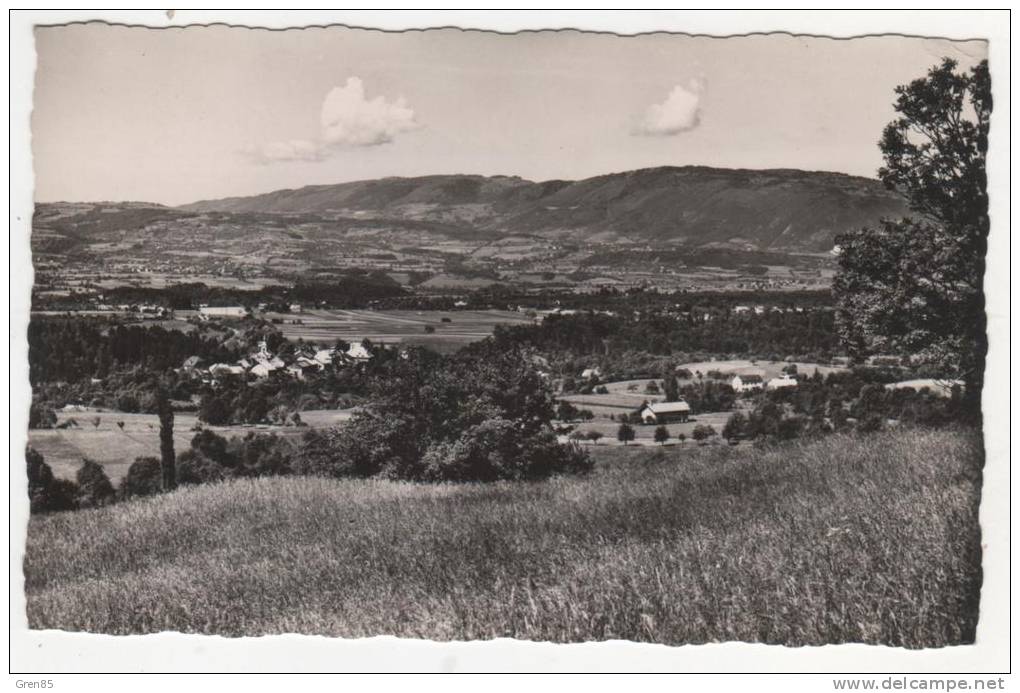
point(56, 651)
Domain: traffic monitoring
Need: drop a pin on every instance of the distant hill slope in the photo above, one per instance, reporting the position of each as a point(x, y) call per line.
point(773, 209)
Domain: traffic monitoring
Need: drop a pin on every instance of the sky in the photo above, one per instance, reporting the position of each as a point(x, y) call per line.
point(182, 114)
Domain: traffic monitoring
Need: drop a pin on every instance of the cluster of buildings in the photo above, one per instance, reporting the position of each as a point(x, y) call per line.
point(263, 363)
point(755, 382)
point(679, 412)
point(761, 310)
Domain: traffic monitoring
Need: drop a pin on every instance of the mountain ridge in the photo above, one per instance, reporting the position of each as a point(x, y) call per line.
point(776, 209)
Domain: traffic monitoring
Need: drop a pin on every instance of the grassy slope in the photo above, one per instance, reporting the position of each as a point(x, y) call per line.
point(870, 539)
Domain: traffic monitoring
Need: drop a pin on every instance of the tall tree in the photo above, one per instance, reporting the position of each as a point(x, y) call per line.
point(625, 433)
point(670, 387)
point(916, 285)
point(168, 461)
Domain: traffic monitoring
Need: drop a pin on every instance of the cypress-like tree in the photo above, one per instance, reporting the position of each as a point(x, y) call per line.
point(168, 460)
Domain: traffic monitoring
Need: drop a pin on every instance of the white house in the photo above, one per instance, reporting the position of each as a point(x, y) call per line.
point(665, 412)
point(191, 363)
point(786, 380)
point(261, 370)
point(589, 373)
point(358, 352)
point(324, 356)
point(748, 382)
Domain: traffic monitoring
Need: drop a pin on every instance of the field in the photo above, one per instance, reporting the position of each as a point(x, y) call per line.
point(116, 448)
point(395, 326)
point(644, 434)
point(622, 399)
point(872, 539)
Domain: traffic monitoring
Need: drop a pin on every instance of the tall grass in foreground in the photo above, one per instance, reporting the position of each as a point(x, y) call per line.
point(844, 539)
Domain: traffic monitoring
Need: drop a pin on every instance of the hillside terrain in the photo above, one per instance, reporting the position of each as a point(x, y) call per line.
point(868, 539)
point(672, 229)
point(786, 210)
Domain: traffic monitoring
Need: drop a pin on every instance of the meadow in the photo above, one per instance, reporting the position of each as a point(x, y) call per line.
point(116, 447)
point(395, 326)
point(871, 539)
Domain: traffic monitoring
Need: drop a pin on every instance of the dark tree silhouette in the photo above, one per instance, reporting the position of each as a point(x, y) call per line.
point(46, 493)
point(736, 426)
point(166, 439)
point(702, 433)
point(143, 478)
point(661, 435)
point(94, 487)
point(915, 285)
point(625, 433)
point(670, 387)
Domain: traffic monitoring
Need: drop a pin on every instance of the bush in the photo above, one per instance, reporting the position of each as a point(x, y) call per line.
point(215, 411)
point(195, 468)
point(702, 433)
point(46, 493)
point(661, 435)
point(566, 411)
point(261, 455)
point(144, 478)
point(495, 450)
point(212, 446)
point(871, 424)
point(625, 433)
point(736, 427)
point(790, 427)
point(94, 487)
point(318, 453)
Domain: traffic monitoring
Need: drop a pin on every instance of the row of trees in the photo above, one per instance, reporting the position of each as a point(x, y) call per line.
point(596, 334)
point(349, 289)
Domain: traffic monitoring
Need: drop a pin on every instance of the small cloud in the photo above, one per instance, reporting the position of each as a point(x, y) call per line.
point(680, 112)
point(347, 119)
point(290, 150)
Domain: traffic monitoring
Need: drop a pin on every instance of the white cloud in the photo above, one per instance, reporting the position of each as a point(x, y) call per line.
point(347, 119)
point(680, 112)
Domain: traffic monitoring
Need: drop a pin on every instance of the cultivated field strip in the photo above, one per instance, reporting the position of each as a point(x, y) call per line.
point(394, 326)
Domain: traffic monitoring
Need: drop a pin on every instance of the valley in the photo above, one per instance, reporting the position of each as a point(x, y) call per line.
point(663, 230)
